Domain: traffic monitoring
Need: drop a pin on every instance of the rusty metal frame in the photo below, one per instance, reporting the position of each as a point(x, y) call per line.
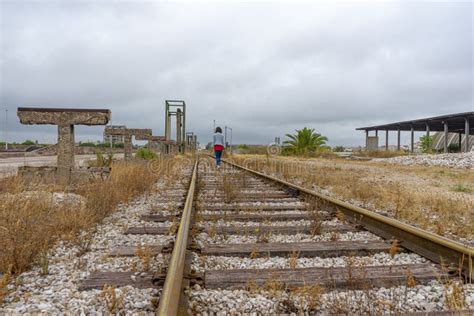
point(172, 289)
point(180, 107)
point(458, 257)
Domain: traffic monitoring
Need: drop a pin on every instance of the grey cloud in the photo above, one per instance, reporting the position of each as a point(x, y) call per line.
point(264, 69)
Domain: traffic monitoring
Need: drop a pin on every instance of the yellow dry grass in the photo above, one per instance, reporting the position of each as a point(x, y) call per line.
point(418, 195)
point(31, 222)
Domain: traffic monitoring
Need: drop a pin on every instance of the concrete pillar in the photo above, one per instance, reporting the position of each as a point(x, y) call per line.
point(65, 158)
point(127, 147)
point(376, 133)
point(398, 139)
point(466, 132)
point(427, 130)
point(386, 140)
point(445, 137)
point(412, 142)
point(366, 139)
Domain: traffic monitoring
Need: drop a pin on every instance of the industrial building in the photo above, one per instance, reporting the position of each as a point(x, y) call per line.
point(450, 128)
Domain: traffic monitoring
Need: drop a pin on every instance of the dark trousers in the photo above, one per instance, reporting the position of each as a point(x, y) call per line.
point(218, 154)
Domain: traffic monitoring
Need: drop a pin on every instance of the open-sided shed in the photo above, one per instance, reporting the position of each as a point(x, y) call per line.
point(462, 123)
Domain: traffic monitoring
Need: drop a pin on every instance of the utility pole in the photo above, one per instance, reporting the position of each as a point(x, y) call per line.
point(6, 129)
point(225, 138)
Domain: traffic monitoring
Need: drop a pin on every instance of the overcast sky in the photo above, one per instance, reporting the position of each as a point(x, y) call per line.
point(263, 69)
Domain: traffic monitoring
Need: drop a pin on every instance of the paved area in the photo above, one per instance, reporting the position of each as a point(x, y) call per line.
point(9, 166)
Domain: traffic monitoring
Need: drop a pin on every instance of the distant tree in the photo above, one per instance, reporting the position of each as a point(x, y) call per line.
point(304, 142)
point(209, 146)
point(338, 149)
point(426, 144)
point(87, 144)
point(28, 142)
point(107, 145)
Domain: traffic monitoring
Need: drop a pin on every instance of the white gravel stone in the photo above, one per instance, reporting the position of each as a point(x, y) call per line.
point(203, 238)
point(202, 263)
point(453, 160)
point(421, 298)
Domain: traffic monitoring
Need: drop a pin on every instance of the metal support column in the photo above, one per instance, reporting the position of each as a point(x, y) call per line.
point(179, 137)
point(412, 142)
point(445, 137)
point(466, 132)
point(386, 140)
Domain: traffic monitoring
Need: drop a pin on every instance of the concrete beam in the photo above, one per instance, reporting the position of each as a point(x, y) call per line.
point(127, 134)
point(65, 119)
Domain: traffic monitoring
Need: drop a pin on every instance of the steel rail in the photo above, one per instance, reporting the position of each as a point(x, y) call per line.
point(429, 245)
point(171, 295)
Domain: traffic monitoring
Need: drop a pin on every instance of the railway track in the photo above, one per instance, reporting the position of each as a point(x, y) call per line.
point(245, 242)
point(244, 231)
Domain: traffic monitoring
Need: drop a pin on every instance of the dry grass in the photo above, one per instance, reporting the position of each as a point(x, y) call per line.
point(293, 259)
point(145, 254)
point(393, 189)
point(112, 300)
point(4, 281)
point(230, 189)
point(31, 222)
point(308, 297)
point(380, 154)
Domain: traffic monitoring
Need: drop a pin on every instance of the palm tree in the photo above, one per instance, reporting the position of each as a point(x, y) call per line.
point(305, 141)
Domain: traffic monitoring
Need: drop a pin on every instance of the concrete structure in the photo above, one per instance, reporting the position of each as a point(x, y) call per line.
point(372, 143)
point(460, 123)
point(65, 119)
point(127, 134)
point(154, 142)
point(191, 141)
point(114, 138)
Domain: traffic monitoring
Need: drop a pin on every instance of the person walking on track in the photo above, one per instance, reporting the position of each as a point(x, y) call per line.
point(218, 145)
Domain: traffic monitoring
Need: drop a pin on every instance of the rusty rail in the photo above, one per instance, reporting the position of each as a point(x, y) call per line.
point(172, 290)
point(457, 257)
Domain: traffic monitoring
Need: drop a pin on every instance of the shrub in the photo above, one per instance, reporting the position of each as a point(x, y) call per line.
point(426, 144)
point(454, 148)
point(146, 153)
point(338, 149)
